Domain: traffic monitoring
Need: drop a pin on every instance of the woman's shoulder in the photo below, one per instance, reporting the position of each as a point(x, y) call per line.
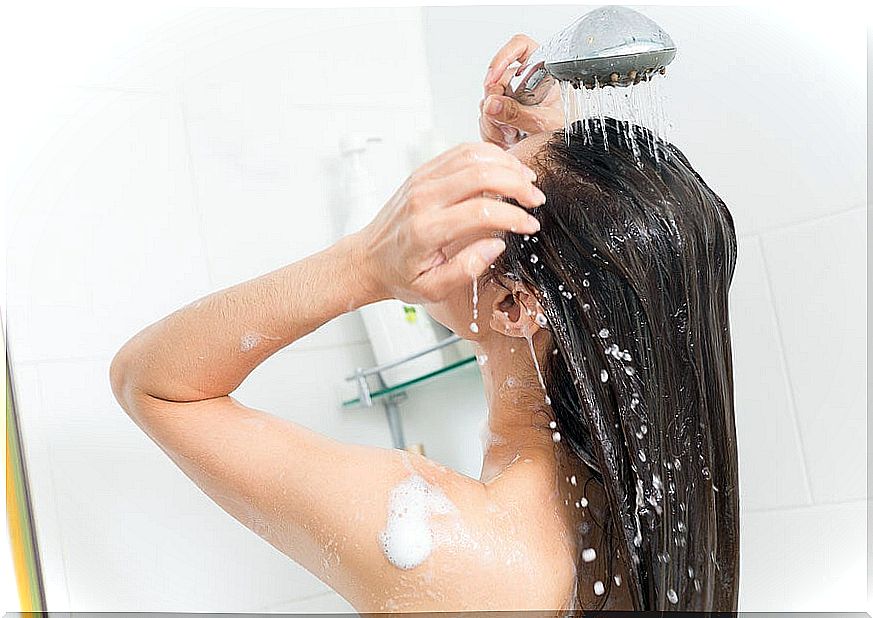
point(491, 546)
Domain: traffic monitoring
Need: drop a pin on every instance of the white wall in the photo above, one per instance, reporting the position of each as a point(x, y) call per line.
point(769, 106)
point(187, 152)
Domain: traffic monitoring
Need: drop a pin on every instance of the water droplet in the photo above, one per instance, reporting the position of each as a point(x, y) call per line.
point(672, 596)
point(541, 320)
point(534, 259)
point(560, 287)
point(617, 579)
point(474, 327)
point(556, 436)
point(630, 370)
point(526, 237)
point(598, 588)
point(586, 283)
point(644, 429)
point(573, 480)
point(604, 376)
point(589, 555)
point(482, 359)
point(604, 333)
point(642, 456)
point(553, 425)
point(583, 501)
point(586, 307)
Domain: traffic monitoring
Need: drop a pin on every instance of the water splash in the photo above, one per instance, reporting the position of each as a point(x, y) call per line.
point(475, 298)
point(536, 363)
point(641, 104)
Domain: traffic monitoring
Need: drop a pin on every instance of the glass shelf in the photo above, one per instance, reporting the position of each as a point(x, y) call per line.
point(397, 388)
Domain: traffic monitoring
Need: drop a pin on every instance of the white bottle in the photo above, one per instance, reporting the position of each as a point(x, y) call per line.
point(373, 171)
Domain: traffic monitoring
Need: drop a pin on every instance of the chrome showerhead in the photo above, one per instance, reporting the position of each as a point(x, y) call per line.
point(612, 45)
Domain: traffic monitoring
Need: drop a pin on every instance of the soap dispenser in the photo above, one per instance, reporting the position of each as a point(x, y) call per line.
point(373, 170)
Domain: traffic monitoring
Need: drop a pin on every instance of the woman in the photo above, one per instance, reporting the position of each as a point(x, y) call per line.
point(610, 478)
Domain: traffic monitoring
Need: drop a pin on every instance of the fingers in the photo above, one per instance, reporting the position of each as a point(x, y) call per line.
point(519, 47)
point(501, 135)
point(500, 110)
point(470, 155)
point(480, 216)
point(471, 261)
point(473, 181)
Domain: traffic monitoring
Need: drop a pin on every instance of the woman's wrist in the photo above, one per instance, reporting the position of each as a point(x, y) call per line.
point(358, 271)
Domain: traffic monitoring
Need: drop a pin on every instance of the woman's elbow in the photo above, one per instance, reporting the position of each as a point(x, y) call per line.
point(121, 379)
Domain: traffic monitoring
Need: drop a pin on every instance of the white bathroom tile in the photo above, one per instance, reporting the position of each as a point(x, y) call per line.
point(778, 149)
point(268, 177)
point(265, 114)
point(130, 520)
point(818, 276)
point(312, 57)
point(772, 470)
point(346, 329)
point(308, 387)
point(446, 416)
point(109, 240)
point(804, 560)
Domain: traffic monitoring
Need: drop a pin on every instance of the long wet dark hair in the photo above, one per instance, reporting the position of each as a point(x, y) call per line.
point(632, 267)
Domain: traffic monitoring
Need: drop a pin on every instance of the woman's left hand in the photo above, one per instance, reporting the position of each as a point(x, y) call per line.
point(502, 119)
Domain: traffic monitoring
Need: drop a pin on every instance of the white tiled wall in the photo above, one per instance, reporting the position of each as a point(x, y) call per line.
point(205, 152)
point(787, 154)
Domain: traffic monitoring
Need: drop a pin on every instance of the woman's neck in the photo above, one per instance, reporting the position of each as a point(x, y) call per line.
point(518, 413)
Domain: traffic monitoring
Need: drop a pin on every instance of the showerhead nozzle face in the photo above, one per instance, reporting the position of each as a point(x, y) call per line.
point(612, 45)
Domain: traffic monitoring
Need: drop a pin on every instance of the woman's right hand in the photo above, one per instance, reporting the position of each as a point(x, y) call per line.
point(438, 230)
point(502, 119)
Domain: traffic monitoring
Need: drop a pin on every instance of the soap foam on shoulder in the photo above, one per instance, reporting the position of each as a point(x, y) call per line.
point(408, 538)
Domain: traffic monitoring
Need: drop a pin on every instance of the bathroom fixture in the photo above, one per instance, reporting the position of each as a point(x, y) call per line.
point(391, 396)
point(612, 45)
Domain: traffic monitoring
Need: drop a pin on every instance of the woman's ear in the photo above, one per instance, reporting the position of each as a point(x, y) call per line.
point(516, 312)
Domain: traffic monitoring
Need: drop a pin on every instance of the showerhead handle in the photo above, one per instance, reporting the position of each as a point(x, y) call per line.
point(532, 82)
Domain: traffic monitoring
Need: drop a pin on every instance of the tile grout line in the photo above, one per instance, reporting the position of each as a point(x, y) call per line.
point(814, 219)
point(805, 507)
point(786, 376)
point(195, 193)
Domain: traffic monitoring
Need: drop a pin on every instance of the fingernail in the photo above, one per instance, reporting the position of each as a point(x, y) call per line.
point(493, 106)
point(509, 134)
point(535, 224)
point(539, 195)
point(490, 251)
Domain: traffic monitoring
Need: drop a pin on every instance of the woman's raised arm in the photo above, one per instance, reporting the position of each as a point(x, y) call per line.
point(321, 502)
